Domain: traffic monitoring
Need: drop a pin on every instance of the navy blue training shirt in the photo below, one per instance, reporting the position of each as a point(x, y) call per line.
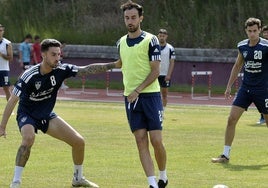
point(38, 92)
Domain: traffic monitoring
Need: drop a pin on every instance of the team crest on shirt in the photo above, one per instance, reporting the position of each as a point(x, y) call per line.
point(245, 53)
point(38, 85)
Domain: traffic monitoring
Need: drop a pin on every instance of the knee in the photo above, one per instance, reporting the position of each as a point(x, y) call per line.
point(232, 120)
point(157, 143)
point(79, 141)
point(28, 141)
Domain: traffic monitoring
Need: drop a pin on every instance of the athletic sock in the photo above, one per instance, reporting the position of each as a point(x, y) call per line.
point(163, 175)
point(78, 172)
point(152, 181)
point(17, 173)
point(226, 151)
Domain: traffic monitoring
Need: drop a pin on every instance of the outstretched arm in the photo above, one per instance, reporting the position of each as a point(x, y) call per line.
point(97, 68)
point(7, 112)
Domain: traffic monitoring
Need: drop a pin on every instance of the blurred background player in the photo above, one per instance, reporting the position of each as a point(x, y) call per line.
point(62, 55)
point(264, 35)
point(36, 48)
point(166, 64)
point(25, 52)
point(6, 56)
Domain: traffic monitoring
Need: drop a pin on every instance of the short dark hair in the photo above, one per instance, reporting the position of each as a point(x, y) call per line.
point(36, 37)
point(28, 36)
point(162, 31)
point(253, 21)
point(130, 5)
point(265, 28)
point(47, 43)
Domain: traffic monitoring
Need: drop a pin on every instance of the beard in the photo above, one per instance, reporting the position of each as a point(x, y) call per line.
point(132, 28)
point(54, 65)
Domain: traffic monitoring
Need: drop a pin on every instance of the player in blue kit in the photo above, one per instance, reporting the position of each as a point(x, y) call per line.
point(253, 58)
point(36, 91)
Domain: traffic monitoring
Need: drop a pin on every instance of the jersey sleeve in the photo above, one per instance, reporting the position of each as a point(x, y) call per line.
point(70, 70)
point(154, 50)
point(19, 87)
point(172, 53)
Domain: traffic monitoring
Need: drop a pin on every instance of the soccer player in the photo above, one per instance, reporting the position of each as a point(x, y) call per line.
point(139, 60)
point(253, 58)
point(265, 35)
point(36, 91)
point(6, 56)
point(166, 64)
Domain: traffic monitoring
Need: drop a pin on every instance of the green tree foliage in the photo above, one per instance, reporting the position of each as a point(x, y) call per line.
point(191, 23)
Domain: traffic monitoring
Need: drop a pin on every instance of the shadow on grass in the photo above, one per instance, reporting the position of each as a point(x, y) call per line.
point(238, 167)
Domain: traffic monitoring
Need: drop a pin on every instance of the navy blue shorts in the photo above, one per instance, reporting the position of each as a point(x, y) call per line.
point(145, 112)
point(38, 124)
point(162, 82)
point(245, 97)
point(4, 78)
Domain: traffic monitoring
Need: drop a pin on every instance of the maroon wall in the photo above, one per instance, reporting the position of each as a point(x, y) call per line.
point(181, 74)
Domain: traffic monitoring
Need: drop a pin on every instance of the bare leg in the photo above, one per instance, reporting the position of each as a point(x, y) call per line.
point(61, 130)
point(144, 153)
point(23, 154)
point(159, 149)
point(233, 118)
point(164, 92)
point(7, 92)
point(28, 137)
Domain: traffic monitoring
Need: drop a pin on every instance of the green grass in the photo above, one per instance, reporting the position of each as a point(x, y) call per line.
point(192, 135)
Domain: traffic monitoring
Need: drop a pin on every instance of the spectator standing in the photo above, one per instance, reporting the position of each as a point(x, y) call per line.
point(25, 52)
point(36, 48)
point(6, 56)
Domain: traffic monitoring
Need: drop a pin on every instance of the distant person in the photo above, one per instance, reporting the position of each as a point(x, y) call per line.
point(166, 64)
point(252, 57)
point(62, 55)
point(37, 58)
point(6, 56)
point(265, 35)
point(25, 52)
point(36, 91)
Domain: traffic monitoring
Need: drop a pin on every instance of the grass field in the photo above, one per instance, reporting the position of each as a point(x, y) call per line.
point(192, 135)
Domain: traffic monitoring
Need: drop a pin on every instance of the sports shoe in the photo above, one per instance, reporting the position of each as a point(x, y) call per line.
point(15, 184)
point(261, 121)
point(84, 183)
point(220, 159)
point(162, 184)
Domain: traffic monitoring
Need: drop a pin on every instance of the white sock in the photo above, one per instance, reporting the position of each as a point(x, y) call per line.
point(152, 181)
point(78, 172)
point(17, 173)
point(163, 175)
point(226, 151)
